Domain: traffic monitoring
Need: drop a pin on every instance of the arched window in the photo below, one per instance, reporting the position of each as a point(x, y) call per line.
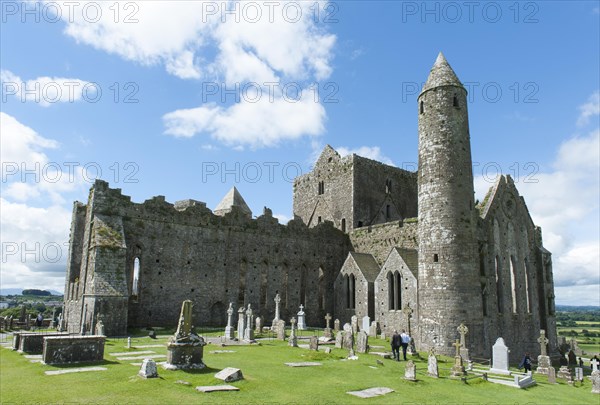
point(347, 290)
point(352, 291)
point(303, 285)
point(242, 284)
point(397, 291)
point(263, 285)
point(321, 289)
point(390, 281)
point(499, 296)
point(513, 284)
point(484, 301)
point(135, 285)
point(528, 297)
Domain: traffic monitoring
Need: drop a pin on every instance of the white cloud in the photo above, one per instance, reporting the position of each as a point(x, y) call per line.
point(45, 90)
point(371, 152)
point(261, 124)
point(283, 219)
point(590, 109)
point(261, 42)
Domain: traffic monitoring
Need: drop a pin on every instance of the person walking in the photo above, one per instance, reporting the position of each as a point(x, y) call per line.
point(396, 343)
point(405, 337)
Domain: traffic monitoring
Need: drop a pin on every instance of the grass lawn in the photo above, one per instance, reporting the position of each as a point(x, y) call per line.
point(267, 380)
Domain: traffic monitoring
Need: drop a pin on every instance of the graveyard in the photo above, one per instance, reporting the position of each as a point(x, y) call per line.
point(327, 376)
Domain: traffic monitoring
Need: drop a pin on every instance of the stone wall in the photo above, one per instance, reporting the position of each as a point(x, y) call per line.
point(379, 240)
point(73, 349)
point(189, 253)
point(33, 343)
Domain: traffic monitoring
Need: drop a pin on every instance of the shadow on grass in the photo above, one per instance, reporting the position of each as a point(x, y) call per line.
point(85, 364)
point(205, 370)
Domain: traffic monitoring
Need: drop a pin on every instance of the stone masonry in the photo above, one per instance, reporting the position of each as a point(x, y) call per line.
point(367, 239)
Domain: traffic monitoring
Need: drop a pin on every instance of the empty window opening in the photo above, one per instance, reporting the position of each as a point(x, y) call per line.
point(435, 258)
point(455, 101)
point(343, 224)
point(136, 277)
point(421, 108)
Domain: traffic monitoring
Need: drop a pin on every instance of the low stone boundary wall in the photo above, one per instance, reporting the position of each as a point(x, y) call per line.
point(33, 343)
point(73, 349)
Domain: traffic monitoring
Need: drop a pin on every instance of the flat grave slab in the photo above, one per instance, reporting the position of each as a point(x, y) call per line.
point(304, 364)
point(33, 356)
point(74, 370)
point(131, 353)
point(221, 351)
point(151, 356)
point(147, 346)
point(371, 392)
point(212, 388)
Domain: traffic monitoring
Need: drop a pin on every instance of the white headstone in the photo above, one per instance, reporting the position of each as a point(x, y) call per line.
point(230, 374)
point(595, 377)
point(432, 366)
point(595, 363)
point(366, 323)
point(148, 369)
point(500, 357)
point(410, 372)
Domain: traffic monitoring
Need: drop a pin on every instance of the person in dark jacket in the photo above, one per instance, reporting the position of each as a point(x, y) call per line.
point(525, 363)
point(396, 343)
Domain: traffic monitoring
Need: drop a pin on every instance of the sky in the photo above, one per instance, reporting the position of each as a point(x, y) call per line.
point(188, 98)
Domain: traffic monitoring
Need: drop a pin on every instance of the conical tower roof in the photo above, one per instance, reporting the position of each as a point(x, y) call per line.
point(441, 75)
point(231, 199)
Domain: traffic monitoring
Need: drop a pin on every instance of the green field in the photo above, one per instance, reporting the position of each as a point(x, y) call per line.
point(267, 380)
point(589, 344)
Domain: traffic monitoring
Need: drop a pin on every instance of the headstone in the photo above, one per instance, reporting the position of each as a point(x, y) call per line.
point(339, 339)
point(301, 321)
point(382, 336)
point(500, 357)
point(595, 377)
point(277, 300)
point(28, 322)
point(458, 369)
point(410, 372)
point(230, 374)
point(347, 328)
point(366, 323)
point(327, 330)
point(99, 328)
point(373, 329)
point(129, 342)
point(464, 352)
point(229, 334)
point(328, 350)
point(551, 375)
point(348, 342)
point(281, 329)
point(565, 373)
point(148, 369)
point(314, 343)
point(432, 366)
point(293, 340)
point(249, 331)
point(579, 374)
point(23, 314)
point(259, 325)
point(336, 325)
point(354, 324)
point(185, 349)
point(241, 323)
point(152, 334)
point(362, 342)
point(594, 363)
point(572, 358)
point(352, 355)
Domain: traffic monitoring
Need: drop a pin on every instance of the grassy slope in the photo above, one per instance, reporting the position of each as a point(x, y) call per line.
point(266, 380)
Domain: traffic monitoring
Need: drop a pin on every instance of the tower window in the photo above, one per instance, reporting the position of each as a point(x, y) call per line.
point(435, 258)
point(455, 101)
point(387, 211)
point(388, 186)
point(360, 223)
point(421, 108)
point(343, 224)
point(319, 220)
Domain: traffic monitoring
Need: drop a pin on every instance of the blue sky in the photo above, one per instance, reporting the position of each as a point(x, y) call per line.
point(174, 98)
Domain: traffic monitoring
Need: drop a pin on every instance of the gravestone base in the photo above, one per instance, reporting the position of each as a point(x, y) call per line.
point(185, 356)
point(595, 377)
point(229, 333)
point(458, 370)
point(543, 364)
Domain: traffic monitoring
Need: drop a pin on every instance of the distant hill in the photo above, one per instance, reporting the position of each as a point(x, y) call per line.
point(18, 291)
point(573, 308)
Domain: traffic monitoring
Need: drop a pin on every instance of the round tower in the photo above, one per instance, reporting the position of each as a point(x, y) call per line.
point(449, 290)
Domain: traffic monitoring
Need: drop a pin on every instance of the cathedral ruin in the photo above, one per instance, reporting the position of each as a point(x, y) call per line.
point(367, 239)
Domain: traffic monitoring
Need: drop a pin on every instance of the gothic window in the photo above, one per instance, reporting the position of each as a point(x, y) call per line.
point(352, 293)
point(136, 278)
point(397, 291)
point(528, 297)
point(513, 284)
point(347, 290)
point(481, 262)
point(242, 284)
point(321, 289)
point(303, 285)
point(499, 286)
point(263, 285)
point(390, 280)
point(484, 298)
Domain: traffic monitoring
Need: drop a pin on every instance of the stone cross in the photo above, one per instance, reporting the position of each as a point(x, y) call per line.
point(327, 319)
point(543, 342)
point(595, 363)
point(184, 328)
point(249, 318)
point(457, 345)
point(407, 310)
point(462, 330)
point(301, 322)
point(293, 323)
point(293, 340)
point(277, 301)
